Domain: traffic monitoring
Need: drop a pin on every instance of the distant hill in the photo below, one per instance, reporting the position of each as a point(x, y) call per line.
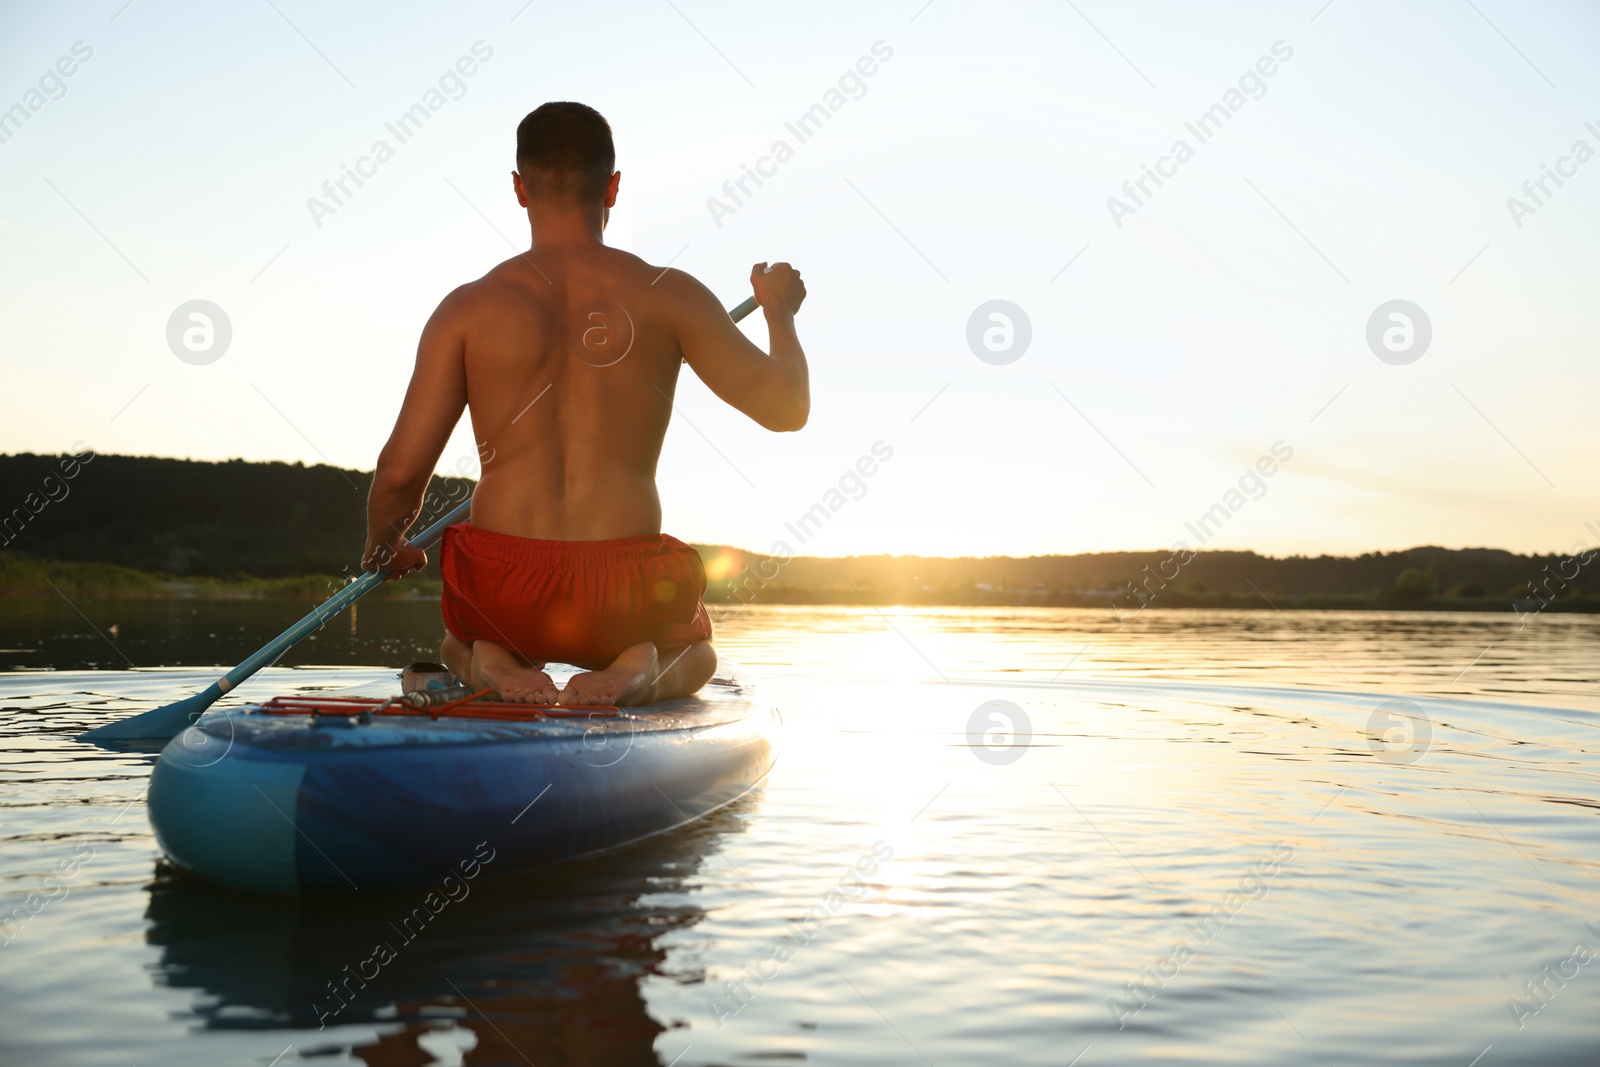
point(188, 518)
point(1495, 571)
point(242, 520)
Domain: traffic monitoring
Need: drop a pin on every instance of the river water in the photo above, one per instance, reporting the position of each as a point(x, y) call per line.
point(1222, 837)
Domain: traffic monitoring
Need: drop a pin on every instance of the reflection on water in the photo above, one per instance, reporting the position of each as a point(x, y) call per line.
point(115, 634)
point(1226, 837)
point(544, 967)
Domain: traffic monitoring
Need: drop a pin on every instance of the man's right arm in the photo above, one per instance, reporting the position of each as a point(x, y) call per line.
point(774, 390)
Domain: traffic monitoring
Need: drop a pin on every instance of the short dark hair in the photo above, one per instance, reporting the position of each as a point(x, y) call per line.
point(565, 149)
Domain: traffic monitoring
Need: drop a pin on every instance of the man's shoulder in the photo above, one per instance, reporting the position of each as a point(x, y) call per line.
point(632, 269)
point(503, 282)
point(516, 280)
point(677, 285)
point(662, 287)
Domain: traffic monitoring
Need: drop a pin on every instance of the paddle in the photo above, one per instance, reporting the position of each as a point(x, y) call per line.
point(168, 721)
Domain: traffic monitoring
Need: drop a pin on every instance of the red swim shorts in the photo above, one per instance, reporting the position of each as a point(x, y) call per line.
point(578, 602)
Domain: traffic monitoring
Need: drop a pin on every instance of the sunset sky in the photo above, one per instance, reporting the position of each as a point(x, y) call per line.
point(1172, 346)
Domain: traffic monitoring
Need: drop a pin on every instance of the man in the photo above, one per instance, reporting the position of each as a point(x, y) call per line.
point(567, 358)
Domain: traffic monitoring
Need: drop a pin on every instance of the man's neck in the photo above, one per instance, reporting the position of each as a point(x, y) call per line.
point(568, 226)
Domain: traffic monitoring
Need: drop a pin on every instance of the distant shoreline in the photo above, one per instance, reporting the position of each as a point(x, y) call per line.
point(147, 527)
point(22, 577)
point(1115, 601)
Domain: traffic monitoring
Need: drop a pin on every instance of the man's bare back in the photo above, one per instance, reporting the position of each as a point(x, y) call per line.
point(567, 358)
point(571, 359)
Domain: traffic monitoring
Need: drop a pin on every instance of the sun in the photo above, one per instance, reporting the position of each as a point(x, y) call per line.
point(723, 564)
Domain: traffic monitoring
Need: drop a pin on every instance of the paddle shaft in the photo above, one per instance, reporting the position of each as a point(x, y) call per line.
point(336, 603)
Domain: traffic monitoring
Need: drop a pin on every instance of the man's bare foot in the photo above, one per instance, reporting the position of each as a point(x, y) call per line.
point(629, 680)
point(457, 655)
point(496, 668)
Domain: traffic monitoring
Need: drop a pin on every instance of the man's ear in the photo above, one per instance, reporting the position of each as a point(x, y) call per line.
point(521, 190)
point(612, 186)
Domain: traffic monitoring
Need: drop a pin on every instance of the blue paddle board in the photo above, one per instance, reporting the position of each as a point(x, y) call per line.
point(293, 803)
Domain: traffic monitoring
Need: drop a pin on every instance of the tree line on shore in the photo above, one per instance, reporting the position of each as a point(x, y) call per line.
point(190, 520)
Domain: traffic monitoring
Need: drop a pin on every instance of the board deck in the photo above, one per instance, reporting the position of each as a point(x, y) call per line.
point(726, 698)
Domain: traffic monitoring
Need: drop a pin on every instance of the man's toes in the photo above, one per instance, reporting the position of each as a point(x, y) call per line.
point(525, 694)
point(583, 692)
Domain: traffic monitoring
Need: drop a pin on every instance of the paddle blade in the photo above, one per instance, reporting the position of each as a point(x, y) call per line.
point(161, 724)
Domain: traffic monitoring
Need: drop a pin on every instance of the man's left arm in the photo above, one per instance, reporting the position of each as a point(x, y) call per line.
point(432, 407)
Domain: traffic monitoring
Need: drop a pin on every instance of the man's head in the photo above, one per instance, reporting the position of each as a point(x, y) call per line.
point(564, 152)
